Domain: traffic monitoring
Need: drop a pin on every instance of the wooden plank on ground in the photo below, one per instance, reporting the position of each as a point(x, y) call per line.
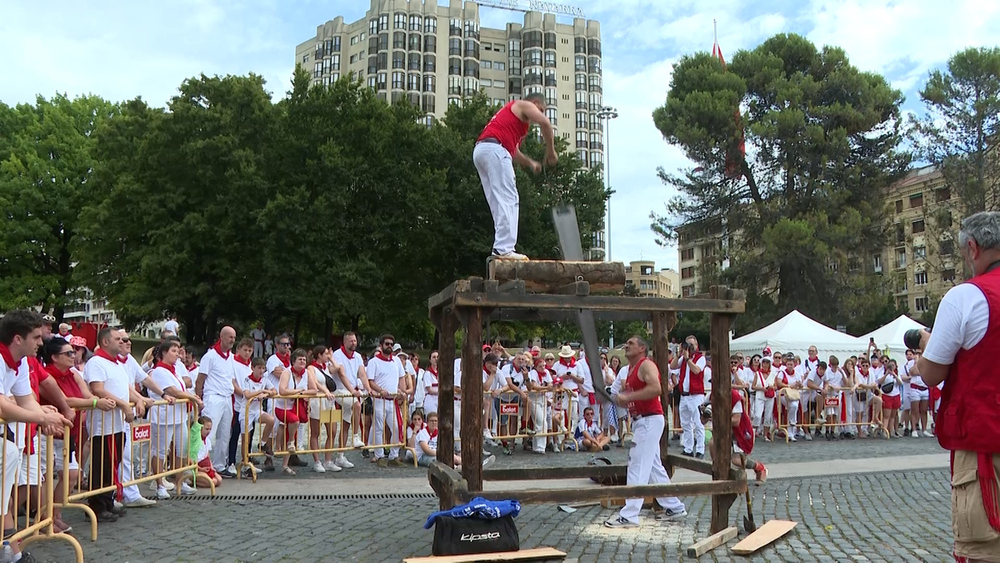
point(711, 542)
point(543, 473)
point(522, 555)
point(764, 535)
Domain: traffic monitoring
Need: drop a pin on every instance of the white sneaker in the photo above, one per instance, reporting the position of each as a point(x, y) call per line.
point(140, 502)
point(169, 486)
point(510, 255)
point(927, 434)
point(187, 489)
point(358, 442)
point(915, 434)
point(162, 493)
point(342, 462)
point(331, 466)
point(487, 434)
point(318, 467)
point(231, 469)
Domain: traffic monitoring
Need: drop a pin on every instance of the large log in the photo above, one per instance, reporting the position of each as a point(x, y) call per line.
point(551, 275)
point(543, 496)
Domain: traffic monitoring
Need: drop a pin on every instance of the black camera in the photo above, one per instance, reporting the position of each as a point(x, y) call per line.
point(686, 345)
point(911, 338)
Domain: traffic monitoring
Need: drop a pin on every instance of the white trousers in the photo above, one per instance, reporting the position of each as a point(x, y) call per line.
point(258, 349)
point(496, 171)
point(693, 439)
point(220, 409)
point(11, 466)
point(645, 467)
point(791, 411)
point(763, 412)
point(131, 492)
point(538, 415)
point(384, 410)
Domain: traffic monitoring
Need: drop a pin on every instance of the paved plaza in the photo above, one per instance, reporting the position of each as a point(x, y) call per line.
point(372, 514)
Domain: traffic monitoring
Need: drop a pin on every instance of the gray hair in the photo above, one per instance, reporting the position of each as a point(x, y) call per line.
point(982, 227)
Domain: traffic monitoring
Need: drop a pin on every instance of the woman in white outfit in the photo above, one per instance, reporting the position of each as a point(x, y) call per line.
point(320, 370)
point(789, 380)
point(539, 387)
point(763, 400)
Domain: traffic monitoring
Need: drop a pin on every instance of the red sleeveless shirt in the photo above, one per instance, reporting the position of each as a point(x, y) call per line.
point(646, 407)
point(506, 128)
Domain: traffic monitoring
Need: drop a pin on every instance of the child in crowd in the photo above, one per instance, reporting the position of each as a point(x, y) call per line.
point(206, 474)
point(414, 428)
point(589, 435)
point(248, 410)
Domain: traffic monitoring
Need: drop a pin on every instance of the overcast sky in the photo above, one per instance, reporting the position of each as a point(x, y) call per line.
point(124, 49)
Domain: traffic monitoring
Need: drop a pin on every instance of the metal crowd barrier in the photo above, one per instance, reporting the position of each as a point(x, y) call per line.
point(822, 402)
point(142, 432)
point(329, 422)
point(35, 471)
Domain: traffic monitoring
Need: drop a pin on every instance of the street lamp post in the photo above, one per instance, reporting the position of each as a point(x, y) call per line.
point(607, 113)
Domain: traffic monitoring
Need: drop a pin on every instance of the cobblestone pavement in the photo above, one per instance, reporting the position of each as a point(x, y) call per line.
point(903, 516)
point(773, 452)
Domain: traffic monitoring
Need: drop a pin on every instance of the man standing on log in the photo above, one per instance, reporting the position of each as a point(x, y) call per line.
point(962, 354)
point(497, 148)
point(641, 395)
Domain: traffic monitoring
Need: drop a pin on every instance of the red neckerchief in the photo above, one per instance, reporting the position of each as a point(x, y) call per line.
point(256, 380)
point(298, 372)
point(486, 373)
point(8, 358)
point(433, 434)
point(432, 370)
point(863, 372)
point(100, 353)
point(569, 362)
point(348, 355)
point(122, 359)
point(319, 366)
point(286, 360)
point(240, 359)
point(218, 350)
point(167, 367)
point(383, 358)
point(784, 376)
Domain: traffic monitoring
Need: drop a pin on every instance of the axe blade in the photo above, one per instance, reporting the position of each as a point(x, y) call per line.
point(564, 218)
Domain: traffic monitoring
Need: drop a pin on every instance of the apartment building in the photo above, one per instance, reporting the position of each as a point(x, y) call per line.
point(435, 56)
point(700, 255)
point(650, 282)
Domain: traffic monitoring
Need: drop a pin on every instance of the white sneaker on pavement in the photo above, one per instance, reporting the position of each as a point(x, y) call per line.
point(342, 462)
point(928, 434)
point(318, 467)
point(358, 442)
point(331, 466)
point(162, 493)
point(187, 489)
point(140, 502)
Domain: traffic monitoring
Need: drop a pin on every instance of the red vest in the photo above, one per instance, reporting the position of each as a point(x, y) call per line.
point(743, 434)
point(969, 417)
point(647, 407)
point(697, 385)
point(506, 128)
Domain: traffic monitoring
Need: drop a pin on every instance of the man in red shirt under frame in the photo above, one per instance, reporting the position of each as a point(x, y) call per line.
point(962, 354)
point(497, 148)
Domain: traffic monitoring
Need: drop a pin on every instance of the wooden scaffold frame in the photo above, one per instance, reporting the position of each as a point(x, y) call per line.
point(468, 304)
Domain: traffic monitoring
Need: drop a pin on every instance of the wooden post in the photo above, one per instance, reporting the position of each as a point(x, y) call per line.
point(447, 325)
point(660, 349)
point(471, 430)
point(722, 411)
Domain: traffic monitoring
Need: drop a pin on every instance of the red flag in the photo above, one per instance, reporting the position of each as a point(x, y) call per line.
point(735, 155)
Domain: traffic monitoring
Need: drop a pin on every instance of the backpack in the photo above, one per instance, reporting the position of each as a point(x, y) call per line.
point(743, 434)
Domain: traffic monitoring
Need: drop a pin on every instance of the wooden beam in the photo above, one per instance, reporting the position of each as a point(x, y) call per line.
point(548, 275)
point(536, 554)
point(446, 294)
point(543, 473)
point(577, 288)
point(661, 351)
point(722, 409)
point(446, 392)
point(596, 303)
point(471, 429)
point(563, 316)
point(711, 542)
point(558, 496)
point(764, 535)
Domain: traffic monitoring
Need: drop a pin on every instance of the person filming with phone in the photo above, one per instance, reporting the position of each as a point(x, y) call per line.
point(961, 352)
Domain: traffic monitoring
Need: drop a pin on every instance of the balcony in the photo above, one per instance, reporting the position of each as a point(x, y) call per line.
point(595, 88)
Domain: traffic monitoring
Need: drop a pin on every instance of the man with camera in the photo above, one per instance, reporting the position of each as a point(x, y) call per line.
point(691, 380)
point(962, 353)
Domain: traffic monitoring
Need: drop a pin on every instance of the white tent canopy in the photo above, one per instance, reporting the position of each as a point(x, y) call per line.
point(891, 336)
point(795, 333)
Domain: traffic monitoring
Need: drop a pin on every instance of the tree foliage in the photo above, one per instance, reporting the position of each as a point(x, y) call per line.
point(805, 210)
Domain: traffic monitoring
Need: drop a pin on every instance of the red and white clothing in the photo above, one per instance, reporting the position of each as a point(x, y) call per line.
point(918, 390)
point(352, 363)
point(249, 411)
point(385, 372)
point(429, 381)
point(537, 402)
point(692, 397)
point(15, 384)
point(429, 439)
point(168, 423)
point(791, 406)
point(217, 395)
point(763, 404)
point(493, 157)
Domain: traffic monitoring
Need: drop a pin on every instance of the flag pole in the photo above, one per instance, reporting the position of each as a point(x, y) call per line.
point(715, 31)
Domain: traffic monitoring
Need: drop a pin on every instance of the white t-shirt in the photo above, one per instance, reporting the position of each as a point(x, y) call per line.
point(17, 383)
point(419, 394)
point(765, 379)
point(833, 378)
point(271, 372)
point(167, 414)
point(250, 386)
point(218, 372)
point(352, 365)
point(297, 385)
point(133, 369)
point(619, 383)
point(703, 364)
point(258, 335)
point(430, 381)
point(116, 382)
point(584, 369)
point(594, 428)
point(914, 378)
point(206, 447)
point(385, 372)
point(893, 378)
point(172, 326)
point(962, 318)
point(432, 443)
point(562, 370)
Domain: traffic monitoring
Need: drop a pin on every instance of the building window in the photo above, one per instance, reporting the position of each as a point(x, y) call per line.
point(413, 61)
point(877, 263)
point(515, 67)
point(550, 78)
point(397, 80)
point(471, 48)
point(383, 22)
point(415, 22)
point(687, 290)
point(920, 278)
point(581, 140)
point(399, 20)
point(499, 65)
point(533, 57)
point(920, 304)
point(415, 42)
point(947, 247)
point(919, 252)
point(943, 194)
point(916, 200)
point(499, 84)
point(318, 68)
point(515, 48)
point(372, 29)
point(429, 63)
point(455, 66)
point(550, 97)
point(335, 62)
point(430, 44)
point(455, 27)
point(399, 40)
point(687, 273)
point(595, 141)
point(398, 59)
point(918, 226)
point(472, 69)
point(371, 82)
point(336, 43)
point(305, 58)
point(581, 82)
point(430, 25)
point(472, 29)
point(455, 46)
point(486, 83)
point(550, 59)
point(487, 64)
point(382, 78)
point(900, 234)
point(429, 83)
point(948, 275)
point(582, 155)
point(413, 82)
point(687, 254)
point(899, 206)
point(454, 85)
point(581, 120)
point(552, 115)
point(499, 101)
point(900, 258)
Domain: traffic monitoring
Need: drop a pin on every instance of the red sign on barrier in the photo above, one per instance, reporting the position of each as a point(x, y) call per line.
point(140, 433)
point(833, 401)
point(509, 408)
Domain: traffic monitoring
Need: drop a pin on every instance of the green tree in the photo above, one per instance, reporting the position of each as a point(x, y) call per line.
point(823, 142)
